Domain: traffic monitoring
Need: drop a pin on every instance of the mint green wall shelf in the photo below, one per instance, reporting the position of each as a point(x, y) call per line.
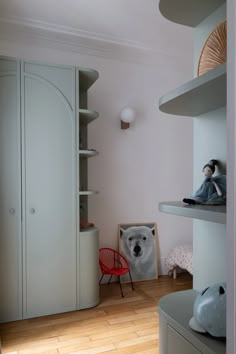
point(213, 213)
point(188, 12)
point(201, 95)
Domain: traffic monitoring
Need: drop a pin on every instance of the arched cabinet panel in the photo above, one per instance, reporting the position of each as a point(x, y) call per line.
point(10, 193)
point(49, 160)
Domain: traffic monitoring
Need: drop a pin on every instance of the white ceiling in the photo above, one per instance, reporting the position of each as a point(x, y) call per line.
point(135, 23)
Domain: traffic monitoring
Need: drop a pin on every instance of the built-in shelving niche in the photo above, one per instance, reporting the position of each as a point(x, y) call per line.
point(198, 96)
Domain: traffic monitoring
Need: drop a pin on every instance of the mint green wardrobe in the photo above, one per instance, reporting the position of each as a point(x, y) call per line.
point(42, 237)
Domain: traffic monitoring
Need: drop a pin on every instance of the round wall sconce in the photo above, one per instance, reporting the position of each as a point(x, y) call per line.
point(127, 116)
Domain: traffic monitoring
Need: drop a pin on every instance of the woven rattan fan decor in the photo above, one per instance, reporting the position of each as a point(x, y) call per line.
point(214, 50)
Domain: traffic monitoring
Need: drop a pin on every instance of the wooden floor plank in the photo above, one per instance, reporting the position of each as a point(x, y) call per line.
point(117, 325)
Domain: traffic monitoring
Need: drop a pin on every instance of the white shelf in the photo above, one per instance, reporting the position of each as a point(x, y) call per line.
point(89, 192)
point(188, 12)
point(87, 153)
point(87, 77)
point(200, 95)
point(213, 213)
point(86, 116)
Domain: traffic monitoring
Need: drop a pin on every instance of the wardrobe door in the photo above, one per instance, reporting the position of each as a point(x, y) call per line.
point(10, 193)
point(49, 202)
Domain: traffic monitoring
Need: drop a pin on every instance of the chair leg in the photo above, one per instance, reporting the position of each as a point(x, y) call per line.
point(121, 288)
point(109, 280)
point(131, 280)
point(101, 279)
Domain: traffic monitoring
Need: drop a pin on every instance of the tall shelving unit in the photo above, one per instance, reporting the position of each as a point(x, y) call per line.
point(204, 99)
point(88, 290)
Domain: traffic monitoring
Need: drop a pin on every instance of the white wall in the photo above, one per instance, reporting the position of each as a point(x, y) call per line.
point(139, 167)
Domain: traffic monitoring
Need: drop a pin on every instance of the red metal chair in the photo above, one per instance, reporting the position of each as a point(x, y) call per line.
point(113, 263)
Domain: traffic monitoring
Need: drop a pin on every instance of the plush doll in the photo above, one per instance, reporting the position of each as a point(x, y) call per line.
point(213, 188)
point(209, 311)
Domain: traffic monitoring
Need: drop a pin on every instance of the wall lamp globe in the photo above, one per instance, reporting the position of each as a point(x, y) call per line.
point(127, 116)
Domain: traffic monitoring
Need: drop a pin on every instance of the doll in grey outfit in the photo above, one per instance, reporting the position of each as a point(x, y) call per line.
point(212, 190)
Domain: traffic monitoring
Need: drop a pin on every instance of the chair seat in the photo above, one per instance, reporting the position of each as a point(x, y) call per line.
point(117, 271)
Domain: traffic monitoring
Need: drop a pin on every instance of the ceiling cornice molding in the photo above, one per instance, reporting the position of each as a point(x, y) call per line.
point(68, 39)
point(72, 31)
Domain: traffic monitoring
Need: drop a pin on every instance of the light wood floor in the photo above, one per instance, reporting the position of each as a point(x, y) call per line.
point(116, 325)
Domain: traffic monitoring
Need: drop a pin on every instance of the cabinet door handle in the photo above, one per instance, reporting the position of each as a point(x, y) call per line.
point(12, 211)
point(32, 211)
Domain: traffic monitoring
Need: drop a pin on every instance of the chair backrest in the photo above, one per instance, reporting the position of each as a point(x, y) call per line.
point(110, 259)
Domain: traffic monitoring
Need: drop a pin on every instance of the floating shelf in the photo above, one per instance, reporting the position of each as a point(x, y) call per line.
point(87, 153)
point(200, 95)
point(89, 192)
point(86, 78)
point(213, 213)
point(177, 309)
point(188, 12)
point(86, 116)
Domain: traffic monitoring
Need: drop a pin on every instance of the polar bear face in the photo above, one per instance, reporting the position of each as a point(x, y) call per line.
point(138, 241)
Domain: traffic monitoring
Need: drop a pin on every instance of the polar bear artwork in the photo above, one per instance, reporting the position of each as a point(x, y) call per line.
point(138, 245)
